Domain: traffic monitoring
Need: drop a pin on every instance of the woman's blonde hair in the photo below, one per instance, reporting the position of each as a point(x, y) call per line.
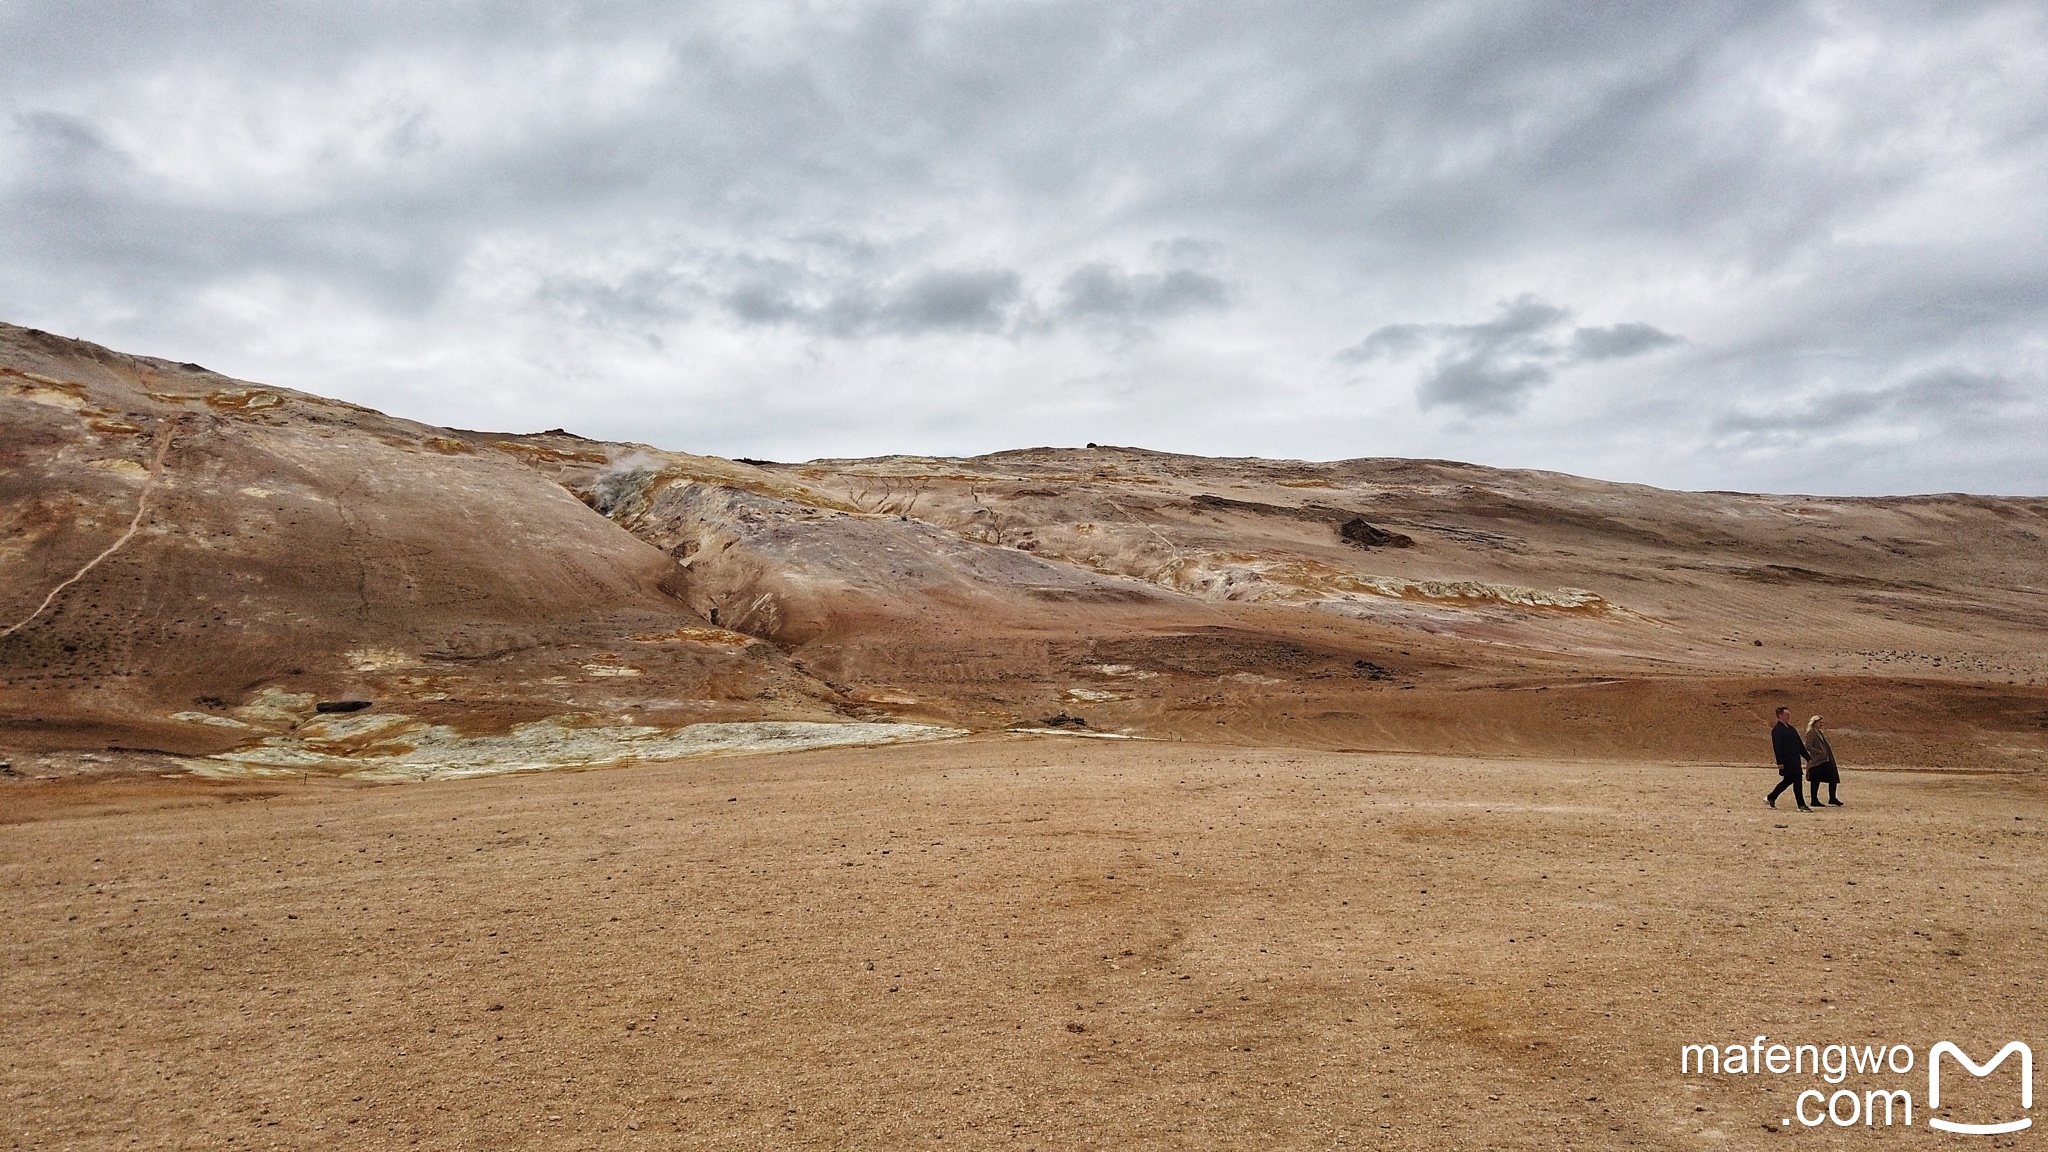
point(1812, 724)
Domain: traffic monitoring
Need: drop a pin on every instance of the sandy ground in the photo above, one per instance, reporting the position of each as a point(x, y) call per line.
point(1008, 942)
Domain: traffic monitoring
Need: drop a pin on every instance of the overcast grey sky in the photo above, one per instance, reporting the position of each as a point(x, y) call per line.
point(1796, 247)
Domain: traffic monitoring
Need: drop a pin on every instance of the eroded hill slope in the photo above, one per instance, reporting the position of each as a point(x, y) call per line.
point(289, 551)
point(196, 565)
point(1369, 603)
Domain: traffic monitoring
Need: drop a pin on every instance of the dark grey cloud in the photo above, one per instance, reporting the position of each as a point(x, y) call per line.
point(643, 297)
point(1480, 384)
point(932, 302)
point(1941, 397)
point(904, 225)
point(954, 299)
point(64, 148)
point(1619, 340)
point(1106, 291)
point(939, 301)
point(1492, 367)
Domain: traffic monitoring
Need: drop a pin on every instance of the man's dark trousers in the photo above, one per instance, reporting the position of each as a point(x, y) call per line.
point(1787, 778)
point(1789, 750)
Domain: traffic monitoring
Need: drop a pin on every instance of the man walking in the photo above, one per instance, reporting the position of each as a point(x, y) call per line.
point(1789, 749)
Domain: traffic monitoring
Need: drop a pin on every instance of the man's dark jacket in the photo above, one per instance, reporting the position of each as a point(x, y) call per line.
point(1787, 745)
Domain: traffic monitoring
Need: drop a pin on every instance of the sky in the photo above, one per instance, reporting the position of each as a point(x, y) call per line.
point(1795, 247)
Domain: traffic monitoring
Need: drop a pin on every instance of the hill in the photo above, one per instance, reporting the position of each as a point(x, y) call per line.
point(253, 579)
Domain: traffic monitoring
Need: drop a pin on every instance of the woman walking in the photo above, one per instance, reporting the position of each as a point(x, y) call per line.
point(1821, 763)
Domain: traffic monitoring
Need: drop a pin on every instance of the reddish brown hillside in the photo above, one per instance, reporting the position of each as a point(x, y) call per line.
point(196, 564)
point(301, 547)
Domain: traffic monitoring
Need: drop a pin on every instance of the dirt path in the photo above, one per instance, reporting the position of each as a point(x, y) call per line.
point(1002, 943)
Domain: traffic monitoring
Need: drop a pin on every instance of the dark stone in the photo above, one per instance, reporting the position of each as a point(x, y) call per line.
point(1357, 531)
point(1224, 503)
point(1065, 721)
point(341, 705)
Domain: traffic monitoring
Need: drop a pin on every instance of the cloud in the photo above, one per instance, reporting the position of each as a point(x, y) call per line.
point(936, 301)
point(955, 300)
point(907, 225)
point(1619, 341)
point(1493, 367)
point(872, 298)
point(1946, 396)
point(1392, 340)
point(64, 145)
point(1481, 385)
point(1107, 292)
point(640, 297)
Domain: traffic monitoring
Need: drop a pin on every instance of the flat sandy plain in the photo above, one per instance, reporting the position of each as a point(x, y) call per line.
point(1001, 942)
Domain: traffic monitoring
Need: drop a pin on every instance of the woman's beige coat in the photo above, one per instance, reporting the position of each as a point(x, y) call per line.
point(1817, 750)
